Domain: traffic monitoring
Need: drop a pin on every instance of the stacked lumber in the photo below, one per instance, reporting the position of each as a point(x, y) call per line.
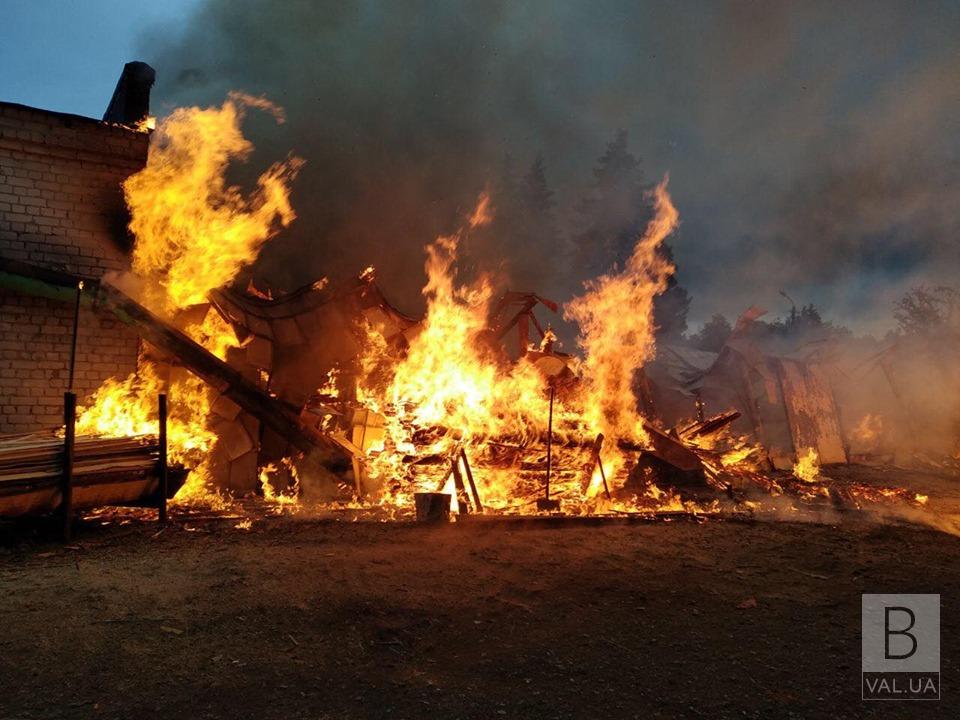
point(106, 471)
point(35, 458)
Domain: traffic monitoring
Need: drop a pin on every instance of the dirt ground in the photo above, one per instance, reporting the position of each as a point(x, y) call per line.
point(302, 618)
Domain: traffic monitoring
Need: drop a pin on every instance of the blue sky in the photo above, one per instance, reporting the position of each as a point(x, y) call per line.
point(66, 55)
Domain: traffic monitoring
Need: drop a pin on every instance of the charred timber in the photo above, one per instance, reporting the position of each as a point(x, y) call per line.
point(209, 368)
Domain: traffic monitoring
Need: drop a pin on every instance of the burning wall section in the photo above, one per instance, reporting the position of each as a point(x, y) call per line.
point(61, 208)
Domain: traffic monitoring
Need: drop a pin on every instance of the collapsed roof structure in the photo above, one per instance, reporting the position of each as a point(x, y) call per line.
point(848, 403)
point(786, 403)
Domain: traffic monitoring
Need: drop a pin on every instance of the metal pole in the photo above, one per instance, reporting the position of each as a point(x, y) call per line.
point(76, 329)
point(66, 481)
point(550, 441)
point(162, 460)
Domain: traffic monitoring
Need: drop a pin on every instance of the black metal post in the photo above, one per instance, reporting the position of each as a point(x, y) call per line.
point(66, 481)
point(545, 504)
point(162, 480)
point(76, 330)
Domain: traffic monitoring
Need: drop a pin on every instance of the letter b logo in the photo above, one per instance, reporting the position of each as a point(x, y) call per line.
point(889, 631)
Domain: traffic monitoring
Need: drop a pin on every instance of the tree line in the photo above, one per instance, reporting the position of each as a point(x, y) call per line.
point(601, 230)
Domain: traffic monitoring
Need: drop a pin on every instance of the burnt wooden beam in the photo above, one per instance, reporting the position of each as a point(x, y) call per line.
point(473, 485)
point(162, 474)
point(463, 501)
point(597, 462)
point(670, 450)
point(710, 425)
point(215, 372)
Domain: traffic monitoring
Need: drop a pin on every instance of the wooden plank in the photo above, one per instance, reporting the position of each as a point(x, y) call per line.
point(811, 411)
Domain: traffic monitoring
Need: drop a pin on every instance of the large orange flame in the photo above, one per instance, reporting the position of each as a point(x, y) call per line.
point(449, 379)
point(194, 232)
point(451, 390)
point(615, 316)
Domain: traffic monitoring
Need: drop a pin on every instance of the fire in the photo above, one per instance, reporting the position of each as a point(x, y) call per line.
point(121, 408)
point(193, 231)
point(615, 316)
point(807, 467)
point(482, 213)
point(445, 407)
point(266, 487)
point(448, 405)
point(451, 389)
point(147, 124)
point(869, 430)
point(214, 334)
point(450, 382)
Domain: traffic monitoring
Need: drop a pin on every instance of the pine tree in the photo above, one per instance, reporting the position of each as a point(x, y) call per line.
point(612, 214)
point(531, 231)
point(670, 308)
point(537, 195)
point(713, 334)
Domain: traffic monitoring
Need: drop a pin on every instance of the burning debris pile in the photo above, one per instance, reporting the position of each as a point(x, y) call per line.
point(332, 395)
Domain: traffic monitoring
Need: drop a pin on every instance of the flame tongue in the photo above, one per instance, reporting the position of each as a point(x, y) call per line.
point(807, 467)
point(448, 377)
point(615, 316)
point(193, 232)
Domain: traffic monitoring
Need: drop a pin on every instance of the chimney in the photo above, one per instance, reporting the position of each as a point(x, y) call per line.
point(131, 100)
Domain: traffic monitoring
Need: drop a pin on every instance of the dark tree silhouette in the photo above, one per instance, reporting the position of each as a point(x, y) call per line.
point(927, 312)
point(537, 195)
point(713, 334)
point(671, 307)
point(613, 213)
point(524, 230)
point(800, 325)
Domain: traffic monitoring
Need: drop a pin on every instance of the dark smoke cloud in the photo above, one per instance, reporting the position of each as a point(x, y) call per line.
point(812, 146)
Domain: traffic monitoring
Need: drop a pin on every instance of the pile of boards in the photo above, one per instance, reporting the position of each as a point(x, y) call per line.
point(106, 471)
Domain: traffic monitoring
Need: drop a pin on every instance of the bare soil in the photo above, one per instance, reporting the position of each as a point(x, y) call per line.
point(303, 618)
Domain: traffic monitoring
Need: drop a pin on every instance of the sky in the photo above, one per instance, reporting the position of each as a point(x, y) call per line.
point(66, 55)
point(813, 147)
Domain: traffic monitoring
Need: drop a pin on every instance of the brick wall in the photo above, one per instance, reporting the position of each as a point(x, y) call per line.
point(61, 206)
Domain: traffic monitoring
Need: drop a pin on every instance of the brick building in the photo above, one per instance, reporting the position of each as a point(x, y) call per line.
point(61, 209)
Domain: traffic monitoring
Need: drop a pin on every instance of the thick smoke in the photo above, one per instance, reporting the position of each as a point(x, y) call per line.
point(812, 146)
